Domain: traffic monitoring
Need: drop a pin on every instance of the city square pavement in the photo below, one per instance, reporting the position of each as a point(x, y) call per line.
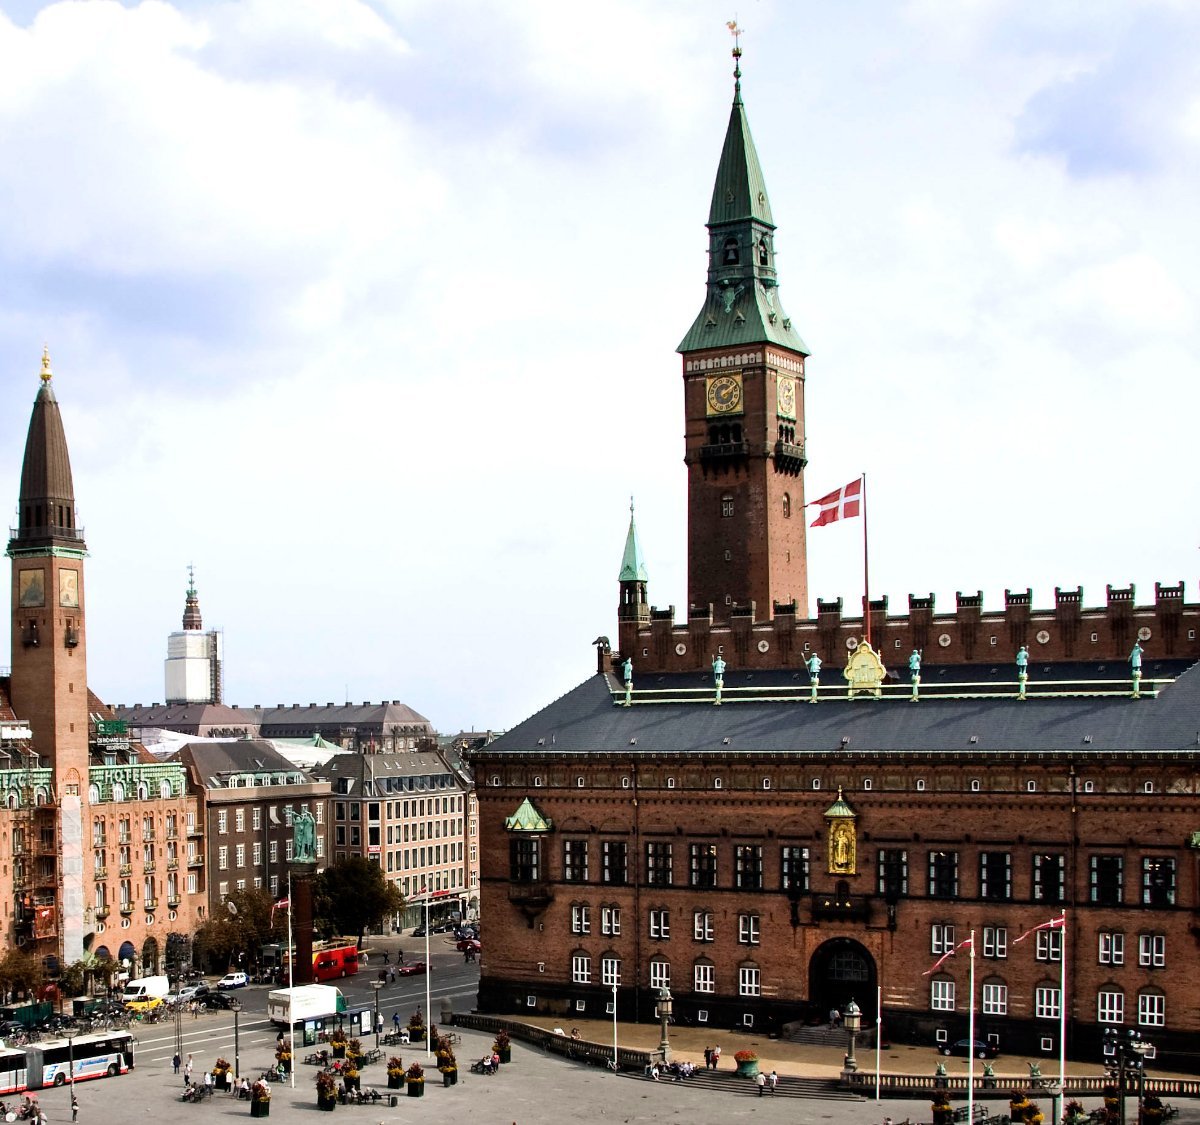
point(535, 1088)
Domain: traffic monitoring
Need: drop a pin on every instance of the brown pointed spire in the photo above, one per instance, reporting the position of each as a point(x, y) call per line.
point(46, 510)
point(191, 609)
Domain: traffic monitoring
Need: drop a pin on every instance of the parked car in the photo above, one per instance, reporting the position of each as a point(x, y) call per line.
point(412, 969)
point(443, 928)
point(146, 1005)
point(976, 1047)
point(419, 932)
point(216, 1001)
point(193, 991)
point(232, 980)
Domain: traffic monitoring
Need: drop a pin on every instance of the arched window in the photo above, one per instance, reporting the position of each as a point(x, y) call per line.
point(118, 791)
point(787, 505)
point(164, 790)
point(143, 791)
point(730, 255)
point(764, 251)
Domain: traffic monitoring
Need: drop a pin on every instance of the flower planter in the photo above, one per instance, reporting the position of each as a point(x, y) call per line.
point(260, 1109)
point(505, 1054)
point(416, 1034)
point(221, 1081)
point(339, 1050)
point(352, 1082)
point(416, 1089)
point(748, 1069)
point(394, 1083)
point(326, 1104)
point(450, 1077)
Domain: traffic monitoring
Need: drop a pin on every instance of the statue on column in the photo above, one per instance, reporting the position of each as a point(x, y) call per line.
point(304, 836)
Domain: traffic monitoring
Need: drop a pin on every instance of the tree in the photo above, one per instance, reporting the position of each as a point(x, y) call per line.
point(238, 929)
point(20, 973)
point(352, 894)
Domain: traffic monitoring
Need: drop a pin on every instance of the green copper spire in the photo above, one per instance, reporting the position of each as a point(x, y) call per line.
point(632, 567)
point(742, 304)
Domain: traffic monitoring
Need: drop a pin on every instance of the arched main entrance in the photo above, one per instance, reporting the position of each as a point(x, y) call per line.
point(839, 971)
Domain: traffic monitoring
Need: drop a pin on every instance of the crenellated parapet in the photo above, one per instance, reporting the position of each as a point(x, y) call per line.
point(1070, 630)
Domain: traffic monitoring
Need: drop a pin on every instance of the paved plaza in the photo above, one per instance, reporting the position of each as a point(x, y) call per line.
point(535, 1088)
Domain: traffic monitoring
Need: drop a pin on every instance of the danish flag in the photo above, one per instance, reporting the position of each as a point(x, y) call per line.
point(841, 504)
point(1058, 923)
point(946, 957)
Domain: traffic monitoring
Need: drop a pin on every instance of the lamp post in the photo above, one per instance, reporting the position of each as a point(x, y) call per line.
point(71, 1057)
point(852, 1019)
point(377, 985)
point(235, 1006)
point(616, 1059)
point(1129, 1052)
point(664, 1015)
point(1054, 1088)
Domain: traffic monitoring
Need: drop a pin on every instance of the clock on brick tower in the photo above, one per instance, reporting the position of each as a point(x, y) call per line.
point(743, 372)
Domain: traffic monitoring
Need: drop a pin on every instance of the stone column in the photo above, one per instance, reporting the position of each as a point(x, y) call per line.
point(302, 919)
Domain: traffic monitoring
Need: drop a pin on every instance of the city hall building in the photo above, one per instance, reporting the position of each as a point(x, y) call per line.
point(769, 846)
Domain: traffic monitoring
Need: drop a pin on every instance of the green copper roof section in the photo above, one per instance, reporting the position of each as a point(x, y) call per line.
point(746, 312)
point(632, 567)
point(740, 192)
point(839, 810)
point(526, 819)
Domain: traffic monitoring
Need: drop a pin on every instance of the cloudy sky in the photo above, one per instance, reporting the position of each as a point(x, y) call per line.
point(368, 308)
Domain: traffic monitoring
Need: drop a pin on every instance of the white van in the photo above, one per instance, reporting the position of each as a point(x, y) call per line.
point(145, 988)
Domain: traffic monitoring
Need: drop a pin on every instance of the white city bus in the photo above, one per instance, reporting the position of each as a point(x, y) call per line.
point(53, 1062)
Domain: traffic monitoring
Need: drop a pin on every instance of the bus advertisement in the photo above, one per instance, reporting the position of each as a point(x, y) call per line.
point(54, 1062)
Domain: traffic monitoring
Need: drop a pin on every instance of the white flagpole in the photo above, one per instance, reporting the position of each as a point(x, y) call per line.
point(291, 978)
point(971, 1042)
point(1062, 1013)
point(878, 1034)
point(428, 1008)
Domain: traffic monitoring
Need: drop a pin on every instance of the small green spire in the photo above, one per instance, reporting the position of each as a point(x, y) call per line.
point(632, 567)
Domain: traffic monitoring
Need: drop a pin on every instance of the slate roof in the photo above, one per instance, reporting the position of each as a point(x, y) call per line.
point(588, 719)
point(208, 760)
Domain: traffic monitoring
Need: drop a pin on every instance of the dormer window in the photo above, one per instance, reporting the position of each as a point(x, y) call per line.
point(731, 255)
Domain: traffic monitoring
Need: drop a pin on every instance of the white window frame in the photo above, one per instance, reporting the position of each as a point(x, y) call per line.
point(610, 971)
point(660, 923)
point(1152, 951)
point(749, 930)
point(704, 978)
point(1111, 947)
point(995, 999)
point(581, 919)
point(995, 942)
point(1047, 1002)
point(581, 968)
point(1049, 945)
point(749, 981)
point(1110, 1007)
point(660, 974)
point(222, 858)
point(702, 925)
point(610, 921)
point(941, 995)
point(941, 938)
point(1152, 1009)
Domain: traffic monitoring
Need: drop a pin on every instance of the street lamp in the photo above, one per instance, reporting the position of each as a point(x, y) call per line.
point(235, 1006)
point(664, 1015)
point(852, 1020)
point(71, 1057)
point(1054, 1088)
point(616, 1065)
point(377, 985)
point(1129, 1052)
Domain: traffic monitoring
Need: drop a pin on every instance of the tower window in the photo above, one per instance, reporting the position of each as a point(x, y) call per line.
point(726, 507)
point(730, 255)
point(787, 506)
point(764, 252)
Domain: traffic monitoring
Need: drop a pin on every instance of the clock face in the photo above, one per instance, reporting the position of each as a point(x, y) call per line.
point(725, 394)
point(786, 398)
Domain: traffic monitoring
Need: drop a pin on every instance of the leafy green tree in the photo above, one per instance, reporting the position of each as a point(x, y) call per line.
point(352, 894)
point(20, 973)
point(241, 926)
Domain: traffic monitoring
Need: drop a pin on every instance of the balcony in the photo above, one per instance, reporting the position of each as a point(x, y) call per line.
point(195, 830)
point(530, 896)
point(148, 836)
point(173, 900)
point(195, 860)
point(789, 458)
point(150, 904)
point(127, 908)
point(102, 912)
point(172, 865)
point(99, 842)
point(126, 869)
point(841, 907)
point(724, 451)
point(100, 873)
point(148, 867)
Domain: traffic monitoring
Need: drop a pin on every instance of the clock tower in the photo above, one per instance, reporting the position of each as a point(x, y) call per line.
point(743, 374)
point(49, 661)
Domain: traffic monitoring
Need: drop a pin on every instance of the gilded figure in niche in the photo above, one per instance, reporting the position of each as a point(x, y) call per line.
point(842, 848)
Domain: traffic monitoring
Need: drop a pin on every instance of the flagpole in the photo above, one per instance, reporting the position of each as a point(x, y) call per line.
point(1062, 1014)
point(291, 977)
point(866, 567)
point(878, 1034)
point(428, 1008)
point(971, 1041)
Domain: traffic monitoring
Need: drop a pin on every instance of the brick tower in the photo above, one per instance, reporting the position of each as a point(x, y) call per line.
point(743, 372)
point(49, 645)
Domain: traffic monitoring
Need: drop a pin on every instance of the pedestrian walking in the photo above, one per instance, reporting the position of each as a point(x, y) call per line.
point(396, 1021)
point(762, 1083)
point(716, 1054)
point(379, 1024)
point(387, 957)
point(707, 1057)
point(74, 1107)
point(187, 1071)
point(176, 1062)
point(773, 1081)
point(393, 972)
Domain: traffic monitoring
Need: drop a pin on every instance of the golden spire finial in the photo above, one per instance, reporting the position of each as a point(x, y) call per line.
point(47, 374)
point(736, 32)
